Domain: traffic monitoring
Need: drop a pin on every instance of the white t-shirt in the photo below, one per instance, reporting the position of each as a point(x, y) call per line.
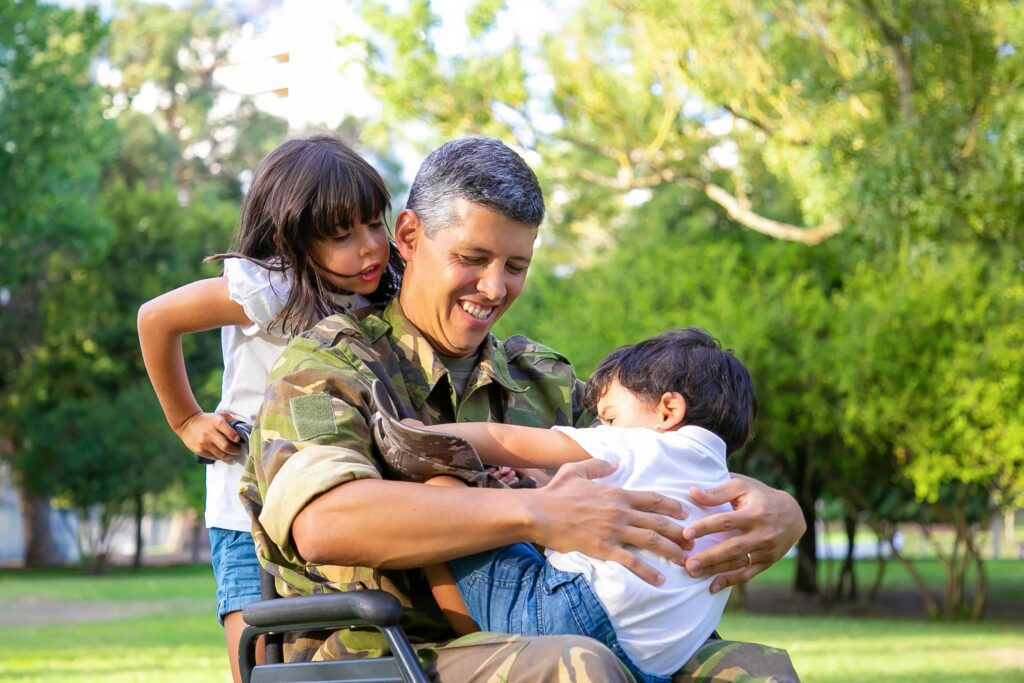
point(659, 627)
point(249, 353)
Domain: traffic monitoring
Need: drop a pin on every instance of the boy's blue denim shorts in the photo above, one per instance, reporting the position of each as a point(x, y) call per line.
point(236, 569)
point(514, 590)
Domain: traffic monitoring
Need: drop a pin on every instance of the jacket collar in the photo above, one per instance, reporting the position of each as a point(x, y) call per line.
point(420, 363)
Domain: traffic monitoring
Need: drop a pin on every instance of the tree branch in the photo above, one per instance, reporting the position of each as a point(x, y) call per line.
point(732, 205)
point(767, 226)
point(761, 125)
point(901, 61)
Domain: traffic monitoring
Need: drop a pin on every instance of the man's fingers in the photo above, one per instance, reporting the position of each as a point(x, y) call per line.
point(717, 523)
point(634, 564)
point(718, 495)
point(588, 469)
point(658, 538)
point(649, 501)
point(735, 577)
point(728, 555)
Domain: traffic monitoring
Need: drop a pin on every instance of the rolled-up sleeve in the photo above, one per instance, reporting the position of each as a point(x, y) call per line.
point(304, 476)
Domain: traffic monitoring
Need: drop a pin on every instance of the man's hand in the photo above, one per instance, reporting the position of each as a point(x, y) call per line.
point(209, 435)
point(574, 513)
point(769, 522)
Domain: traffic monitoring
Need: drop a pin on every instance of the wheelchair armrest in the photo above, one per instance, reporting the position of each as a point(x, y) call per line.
point(370, 607)
point(331, 611)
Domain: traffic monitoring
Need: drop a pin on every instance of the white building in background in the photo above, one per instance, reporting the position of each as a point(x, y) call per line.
point(294, 67)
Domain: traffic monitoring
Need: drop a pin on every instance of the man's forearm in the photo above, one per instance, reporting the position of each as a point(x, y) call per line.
point(399, 525)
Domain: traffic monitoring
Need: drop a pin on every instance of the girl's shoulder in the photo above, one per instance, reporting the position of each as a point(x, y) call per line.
point(261, 291)
point(249, 275)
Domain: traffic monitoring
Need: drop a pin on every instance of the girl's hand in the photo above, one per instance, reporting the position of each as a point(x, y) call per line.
point(209, 435)
point(506, 475)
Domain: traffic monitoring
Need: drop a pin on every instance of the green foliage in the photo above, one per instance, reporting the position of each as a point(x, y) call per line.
point(111, 207)
point(53, 140)
point(939, 357)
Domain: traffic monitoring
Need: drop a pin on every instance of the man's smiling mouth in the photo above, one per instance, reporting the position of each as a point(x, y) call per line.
point(477, 311)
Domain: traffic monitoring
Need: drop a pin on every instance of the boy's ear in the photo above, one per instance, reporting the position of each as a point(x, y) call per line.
point(671, 410)
point(408, 231)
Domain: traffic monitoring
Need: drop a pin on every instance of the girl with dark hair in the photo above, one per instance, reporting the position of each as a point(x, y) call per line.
point(311, 242)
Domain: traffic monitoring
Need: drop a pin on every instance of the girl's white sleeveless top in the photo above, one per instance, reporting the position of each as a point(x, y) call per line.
point(249, 353)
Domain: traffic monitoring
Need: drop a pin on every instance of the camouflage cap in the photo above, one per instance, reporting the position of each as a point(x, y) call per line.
point(414, 454)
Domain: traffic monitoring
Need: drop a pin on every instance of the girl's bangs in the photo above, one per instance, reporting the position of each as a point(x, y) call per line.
point(345, 197)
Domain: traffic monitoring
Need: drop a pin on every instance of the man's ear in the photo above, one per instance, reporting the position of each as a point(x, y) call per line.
point(408, 232)
point(671, 410)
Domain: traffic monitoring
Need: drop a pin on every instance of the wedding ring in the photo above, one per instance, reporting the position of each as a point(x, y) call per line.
point(750, 560)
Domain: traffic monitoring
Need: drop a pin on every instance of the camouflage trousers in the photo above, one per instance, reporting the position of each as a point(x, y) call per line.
point(504, 658)
point(494, 658)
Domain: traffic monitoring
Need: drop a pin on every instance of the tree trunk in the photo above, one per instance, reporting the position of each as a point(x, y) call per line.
point(806, 580)
point(139, 510)
point(41, 548)
point(846, 589)
point(197, 538)
point(879, 578)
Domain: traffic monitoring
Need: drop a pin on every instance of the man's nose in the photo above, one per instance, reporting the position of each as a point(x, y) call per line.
point(492, 283)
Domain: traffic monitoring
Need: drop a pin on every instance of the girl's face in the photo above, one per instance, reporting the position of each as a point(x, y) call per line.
point(354, 259)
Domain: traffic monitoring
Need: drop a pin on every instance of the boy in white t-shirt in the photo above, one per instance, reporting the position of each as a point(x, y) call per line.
point(671, 406)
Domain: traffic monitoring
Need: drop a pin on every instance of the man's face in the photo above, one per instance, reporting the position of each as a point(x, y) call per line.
point(460, 281)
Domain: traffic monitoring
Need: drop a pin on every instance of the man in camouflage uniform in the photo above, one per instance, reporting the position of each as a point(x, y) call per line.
point(325, 520)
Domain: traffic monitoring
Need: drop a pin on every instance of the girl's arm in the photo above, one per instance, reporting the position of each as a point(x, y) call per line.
point(201, 305)
point(515, 446)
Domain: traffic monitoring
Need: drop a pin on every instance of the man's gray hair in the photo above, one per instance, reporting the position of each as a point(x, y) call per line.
point(482, 171)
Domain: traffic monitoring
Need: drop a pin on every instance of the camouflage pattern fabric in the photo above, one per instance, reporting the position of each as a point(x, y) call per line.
point(319, 406)
point(495, 658)
point(413, 454)
point(719, 661)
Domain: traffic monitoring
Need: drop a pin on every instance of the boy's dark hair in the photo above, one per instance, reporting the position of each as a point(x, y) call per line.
point(301, 193)
point(482, 171)
point(718, 390)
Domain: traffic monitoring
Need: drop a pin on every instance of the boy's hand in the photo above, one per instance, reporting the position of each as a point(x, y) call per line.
point(209, 435)
point(413, 422)
point(506, 475)
point(769, 522)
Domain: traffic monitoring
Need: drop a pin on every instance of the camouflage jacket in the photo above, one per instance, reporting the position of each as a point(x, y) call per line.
point(318, 401)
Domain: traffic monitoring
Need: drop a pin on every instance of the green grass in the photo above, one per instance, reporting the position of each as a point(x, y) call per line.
point(180, 641)
point(185, 643)
point(1005, 577)
point(148, 583)
point(162, 648)
point(835, 649)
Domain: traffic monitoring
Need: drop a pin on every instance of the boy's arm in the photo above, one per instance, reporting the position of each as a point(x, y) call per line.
point(515, 446)
point(201, 305)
